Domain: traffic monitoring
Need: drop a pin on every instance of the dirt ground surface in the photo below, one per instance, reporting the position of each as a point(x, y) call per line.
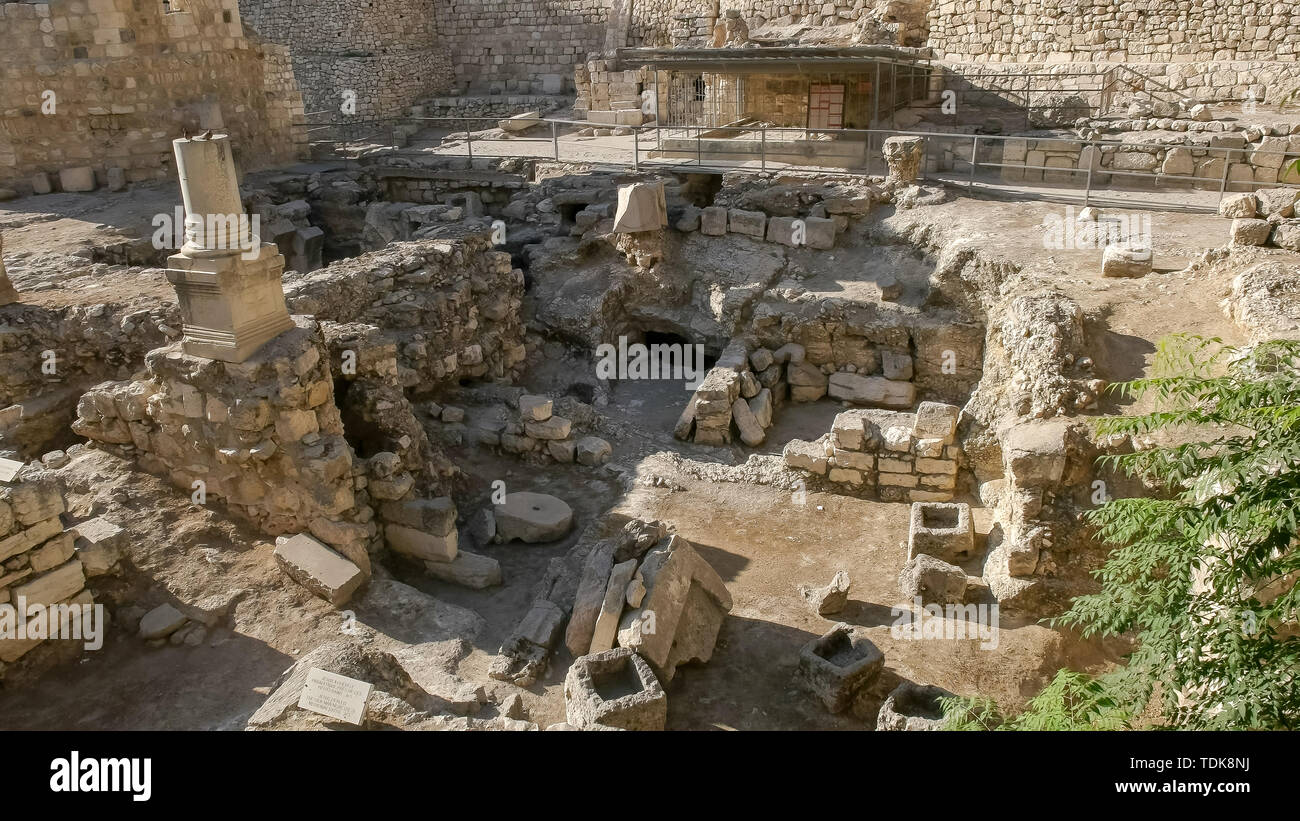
point(762, 542)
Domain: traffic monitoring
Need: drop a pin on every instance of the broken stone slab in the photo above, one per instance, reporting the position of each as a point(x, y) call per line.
point(941, 529)
point(541, 624)
point(912, 707)
point(683, 609)
point(831, 599)
point(161, 622)
point(435, 516)
point(1124, 261)
point(472, 570)
point(520, 122)
point(554, 428)
point(611, 609)
point(78, 179)
point(871, 390)
point(807, 382)
point(838, 665)
point(319, 569)
point(590, 597)
point(932, 580)
point(751, 432)
point(761, 407)
point(532, 518)
point(616, 688)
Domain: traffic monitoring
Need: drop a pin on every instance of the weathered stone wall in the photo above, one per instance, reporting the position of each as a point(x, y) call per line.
point(521, 48)
point(1148, 31)
point(452, 307)
point(40, 561)
point(388, 52)
point(126, 77)
point(263, 436)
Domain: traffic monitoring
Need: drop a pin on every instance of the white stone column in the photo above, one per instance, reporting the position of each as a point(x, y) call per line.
point(227, 280)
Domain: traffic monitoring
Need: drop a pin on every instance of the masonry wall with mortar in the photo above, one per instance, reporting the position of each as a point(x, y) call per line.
point(126, 78)
point(264, 437)
point(390, 53)
point(38, 557)
point(451, 306)
point(1150, 31)
point(510, 46)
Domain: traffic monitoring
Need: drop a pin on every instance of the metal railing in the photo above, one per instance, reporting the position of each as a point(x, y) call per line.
point(975, 162)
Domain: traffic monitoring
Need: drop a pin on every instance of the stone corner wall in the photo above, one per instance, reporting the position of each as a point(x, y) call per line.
point(108, 84)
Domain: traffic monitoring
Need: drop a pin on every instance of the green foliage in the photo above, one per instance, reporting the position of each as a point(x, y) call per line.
point(1073, 701)
point(1203, 576)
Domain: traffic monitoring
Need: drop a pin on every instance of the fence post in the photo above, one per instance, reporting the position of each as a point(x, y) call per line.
point(469, 143)
point(1227, 163)
point(636, 147)
point(555, 139)
point(699, 148)
point(1087, 185)
point(762, 148)
point(974, 149)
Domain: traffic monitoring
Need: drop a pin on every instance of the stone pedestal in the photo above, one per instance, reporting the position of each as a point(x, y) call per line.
point(903, 156)
point(227, 281)
point(7, 292)
point(231, 306)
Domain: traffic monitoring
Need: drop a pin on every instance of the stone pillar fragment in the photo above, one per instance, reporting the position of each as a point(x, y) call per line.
point(227, 280)
point(903, 155)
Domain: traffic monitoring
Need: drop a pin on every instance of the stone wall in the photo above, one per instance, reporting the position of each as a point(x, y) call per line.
point(1148, 31)
point(126, 78)
point(452, 307)
point(521, 48)
point(264, 437)
point(390, 53)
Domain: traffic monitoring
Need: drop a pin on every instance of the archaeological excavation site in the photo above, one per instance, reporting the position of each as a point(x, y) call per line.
point(713, 365)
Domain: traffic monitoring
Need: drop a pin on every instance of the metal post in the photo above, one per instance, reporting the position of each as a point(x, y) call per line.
point(636, 147)
point(1227, 163)
point(974, 149)
point(1087, 186)
point(555, 139)
point(875, 100)
point(762, 148)
point(469, 143)
point(893, 95)
point(699, 148)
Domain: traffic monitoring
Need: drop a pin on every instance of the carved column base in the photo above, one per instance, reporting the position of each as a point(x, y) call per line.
point(230, 306)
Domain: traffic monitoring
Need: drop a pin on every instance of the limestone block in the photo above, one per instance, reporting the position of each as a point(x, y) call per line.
point(556, 427)
point(467, 570)
point(641, 207)
point(592, 451)
point(420, 544)
point(912, 707)
point(936, 420)
point(871, 390)
point(713, 221)
point(435, 516)
point(535, 408)
point(589, 597)
point(79, 179)
point(831, 599)
point(1034, 452)
point(319, 569)
point(611, 610)
point(751, 433)
point(161, 622)
point(60, 583)
point(749, 223)
point(804, 455)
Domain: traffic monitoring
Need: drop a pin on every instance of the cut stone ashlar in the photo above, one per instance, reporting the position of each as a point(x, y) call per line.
point(914, 707)
point(942, 530)
point(615, 688)
point(532, 518)
point(836, 666)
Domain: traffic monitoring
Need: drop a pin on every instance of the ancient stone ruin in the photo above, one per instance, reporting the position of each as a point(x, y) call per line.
point(598, 366)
